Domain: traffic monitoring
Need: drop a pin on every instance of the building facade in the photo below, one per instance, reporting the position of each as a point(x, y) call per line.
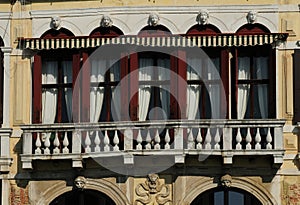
point(155, 102)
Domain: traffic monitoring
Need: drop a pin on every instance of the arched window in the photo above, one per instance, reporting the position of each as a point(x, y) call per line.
point(102, 74)
point(204, 75)
point(83, 197)
point(253, 72)
point(54, 75)
point(224, 196)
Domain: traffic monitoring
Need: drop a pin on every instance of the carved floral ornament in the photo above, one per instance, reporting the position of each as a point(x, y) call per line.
point(152, 192)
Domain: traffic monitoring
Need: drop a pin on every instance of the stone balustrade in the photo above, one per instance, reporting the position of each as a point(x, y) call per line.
point(226, 138)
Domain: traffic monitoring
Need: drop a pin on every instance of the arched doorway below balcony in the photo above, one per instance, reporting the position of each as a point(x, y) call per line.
point(83, 197)
point(226, 196)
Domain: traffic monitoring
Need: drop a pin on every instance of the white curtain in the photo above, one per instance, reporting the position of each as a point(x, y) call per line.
point(145, 74)
point(243, 89)
point(116, 97)
point(164, 74)
point(214, 89)
point(49, 95)
point(193, 91)
point(261, 65)
point(98, 68)
point(67, 75)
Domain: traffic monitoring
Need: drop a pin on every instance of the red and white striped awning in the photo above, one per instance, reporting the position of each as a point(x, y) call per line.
point(223, 40)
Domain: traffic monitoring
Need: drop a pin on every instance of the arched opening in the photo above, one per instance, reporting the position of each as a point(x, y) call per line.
point(106, 32)
point(226, 196)
point(158, 30)
point(255, 28)
point(206, 29)
point(83, 197)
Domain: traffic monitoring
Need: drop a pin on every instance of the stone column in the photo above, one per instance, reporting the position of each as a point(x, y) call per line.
point(6, 86)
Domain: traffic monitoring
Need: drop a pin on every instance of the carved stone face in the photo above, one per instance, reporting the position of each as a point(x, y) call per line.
point(202, 17)
point(80, 182)
point(106, 21)
point(153, 20)
point(251, 17)
point(55, 22)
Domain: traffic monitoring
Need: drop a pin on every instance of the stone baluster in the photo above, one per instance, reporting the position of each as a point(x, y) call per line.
point(148, 140)
point(116, 141)
point(97, 142)
point(66, 144)
point(157, 140)
point(248, 139)
point(238, 139)
point(38, 144)
point(56, 144)
point(257, 139)
point(139, 140)
point(167, 140)
point(269, 139)
point(191, 143)
point(47, 144)
point(208, 139)
point(87, 143)
point(217, 139)
point(106, 142)
point(199, 140)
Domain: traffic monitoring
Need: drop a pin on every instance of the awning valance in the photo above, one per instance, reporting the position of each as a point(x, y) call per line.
point(224, 40)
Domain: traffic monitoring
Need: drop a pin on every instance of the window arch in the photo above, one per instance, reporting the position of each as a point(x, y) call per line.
point(225, 196)
point(206, 73)
point(253, 72)
point(82, 197)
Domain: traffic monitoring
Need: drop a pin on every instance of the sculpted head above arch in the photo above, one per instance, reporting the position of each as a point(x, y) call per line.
point(55, 22)
point(106, 21)
point(153, 19)
point(202, 17)
point(251, 17)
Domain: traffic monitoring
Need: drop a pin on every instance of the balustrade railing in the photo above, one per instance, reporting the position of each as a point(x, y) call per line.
point(215, 137)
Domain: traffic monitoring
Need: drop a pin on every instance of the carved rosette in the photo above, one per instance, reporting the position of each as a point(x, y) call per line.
point(152, 192)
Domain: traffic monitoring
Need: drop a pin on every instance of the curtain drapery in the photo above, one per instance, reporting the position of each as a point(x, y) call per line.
point(115, 90)
point(145, 74)
point(49, 95)
point(243, 89)
point(163, 66)
point(213, 66)
point(193, 91)
point(261, 65)
point(67, 76)
point(98, 68)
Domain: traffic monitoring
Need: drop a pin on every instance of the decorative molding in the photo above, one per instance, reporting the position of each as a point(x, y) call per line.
point(110, 189)
point(244, 183)
point(152, 192)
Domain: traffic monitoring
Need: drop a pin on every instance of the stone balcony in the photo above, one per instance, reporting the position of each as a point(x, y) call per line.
point(178, 138)
point(5, 159)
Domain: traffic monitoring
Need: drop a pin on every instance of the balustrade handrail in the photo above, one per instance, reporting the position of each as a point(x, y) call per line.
point(122, 125)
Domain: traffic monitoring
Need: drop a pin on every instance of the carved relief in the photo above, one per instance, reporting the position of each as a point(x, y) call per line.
point(293, 194)
point(18, 196)
point(251, 17)
point(106, 21)
point(226, 180)
point(56, 22)
point(153, 19)
point(152, 192)
point(202, 17)
point(80, 182)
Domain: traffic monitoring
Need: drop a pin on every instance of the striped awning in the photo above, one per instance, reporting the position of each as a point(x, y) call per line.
point(224, 40)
